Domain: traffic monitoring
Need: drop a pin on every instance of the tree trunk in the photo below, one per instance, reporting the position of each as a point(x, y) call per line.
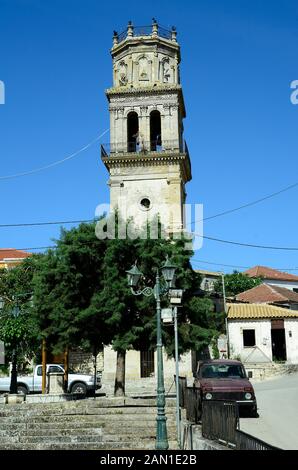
point(119, 390)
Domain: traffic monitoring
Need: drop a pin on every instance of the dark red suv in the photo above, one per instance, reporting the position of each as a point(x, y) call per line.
point(225, 379)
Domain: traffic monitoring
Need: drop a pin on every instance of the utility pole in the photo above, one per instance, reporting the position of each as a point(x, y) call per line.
point(177, 378)
point(44, 366)
point(225, 310)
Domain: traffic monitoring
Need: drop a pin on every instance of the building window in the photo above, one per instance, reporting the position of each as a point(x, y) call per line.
point(249, 338)
point(145, 204)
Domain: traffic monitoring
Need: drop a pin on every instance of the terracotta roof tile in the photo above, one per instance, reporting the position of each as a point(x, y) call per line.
point(258, 311)
point(265, 293)
point(11, 253)
point(269, 273)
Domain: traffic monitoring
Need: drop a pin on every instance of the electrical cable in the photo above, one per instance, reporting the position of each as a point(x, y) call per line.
point(58, 162)
point(252, 203)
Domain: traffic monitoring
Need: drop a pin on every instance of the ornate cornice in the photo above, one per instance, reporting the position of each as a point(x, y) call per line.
point(126, 91)
point(151, 159)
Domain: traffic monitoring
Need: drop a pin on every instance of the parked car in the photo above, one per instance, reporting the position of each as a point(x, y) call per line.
point(77, 383)
point(225, 379)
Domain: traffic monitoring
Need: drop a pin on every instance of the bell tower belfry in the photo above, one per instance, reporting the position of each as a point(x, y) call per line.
point(147, 158)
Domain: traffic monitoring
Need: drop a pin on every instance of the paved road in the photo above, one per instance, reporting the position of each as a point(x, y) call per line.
point(278, 409)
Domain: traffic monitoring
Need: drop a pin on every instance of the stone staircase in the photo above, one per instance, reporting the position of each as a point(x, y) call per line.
point(261, 371)
point(142, 387)
point(90, 424)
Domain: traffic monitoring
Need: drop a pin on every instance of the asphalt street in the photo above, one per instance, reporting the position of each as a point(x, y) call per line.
point(278, 409)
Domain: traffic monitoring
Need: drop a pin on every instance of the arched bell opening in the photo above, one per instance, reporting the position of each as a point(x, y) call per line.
point(132, 131)
point(155, 130)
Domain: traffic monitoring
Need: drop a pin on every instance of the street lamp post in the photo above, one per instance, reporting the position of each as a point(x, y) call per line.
point(134, 275)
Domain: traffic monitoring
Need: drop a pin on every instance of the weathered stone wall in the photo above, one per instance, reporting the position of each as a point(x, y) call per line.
point(81, 361)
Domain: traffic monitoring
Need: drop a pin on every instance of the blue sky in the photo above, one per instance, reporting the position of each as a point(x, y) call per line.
point(238, 60)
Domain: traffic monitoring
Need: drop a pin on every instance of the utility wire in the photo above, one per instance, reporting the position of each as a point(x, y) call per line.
point(58, 162)
point(252, 203)
point(34, 224)
point(249, 245)
point(198, 261)
point(219, 240)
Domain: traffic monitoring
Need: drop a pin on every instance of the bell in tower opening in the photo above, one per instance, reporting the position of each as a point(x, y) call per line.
point(147, 158)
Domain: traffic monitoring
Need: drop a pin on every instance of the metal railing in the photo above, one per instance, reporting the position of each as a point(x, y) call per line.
point(192, 404)
point(143, 147)
point(219, 420)
point(145, 31)
point(182, 390)
point(245, 441)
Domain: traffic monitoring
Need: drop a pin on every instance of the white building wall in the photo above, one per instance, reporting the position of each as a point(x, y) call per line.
point(262, 334)
point(133, 365)
point(263, 339)
point(291, 332)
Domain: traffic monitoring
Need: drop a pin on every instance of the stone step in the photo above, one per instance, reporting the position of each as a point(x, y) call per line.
point(58, 407)
point(143, 420)
point(105, 435)
point(83, 446)
point(88, 410)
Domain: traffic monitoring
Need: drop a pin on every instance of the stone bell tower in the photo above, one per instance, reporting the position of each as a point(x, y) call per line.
point(147, 158)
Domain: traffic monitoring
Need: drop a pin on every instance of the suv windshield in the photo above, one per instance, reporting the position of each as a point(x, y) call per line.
point(218, 371)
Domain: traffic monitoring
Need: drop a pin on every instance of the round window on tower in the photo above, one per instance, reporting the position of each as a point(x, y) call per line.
point(145, 204)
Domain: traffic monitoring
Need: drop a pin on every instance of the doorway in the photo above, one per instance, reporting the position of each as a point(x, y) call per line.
point(278, 340)
point(147, 363)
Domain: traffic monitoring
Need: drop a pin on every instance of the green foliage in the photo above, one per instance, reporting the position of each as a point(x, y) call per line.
point(81, 297)
point(64, 286)
point(16, 287)
point(236, 283)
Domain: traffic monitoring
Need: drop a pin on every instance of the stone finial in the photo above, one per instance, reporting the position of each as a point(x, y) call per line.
point(115, 38)
point(130, 29)
point(174, 33)
point(154, 27)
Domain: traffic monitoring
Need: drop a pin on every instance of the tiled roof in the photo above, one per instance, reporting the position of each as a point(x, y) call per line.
point(258, 311)
point(266, 293)
point(269, 273)
point(11, 253)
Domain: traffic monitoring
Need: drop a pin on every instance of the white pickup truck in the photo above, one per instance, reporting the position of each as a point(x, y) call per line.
point(77, 383)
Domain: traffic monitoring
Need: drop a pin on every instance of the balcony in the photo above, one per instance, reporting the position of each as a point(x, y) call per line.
point(142, 148)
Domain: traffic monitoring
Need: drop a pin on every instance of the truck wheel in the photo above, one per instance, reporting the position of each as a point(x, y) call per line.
point(21, 390)
point(79, 388)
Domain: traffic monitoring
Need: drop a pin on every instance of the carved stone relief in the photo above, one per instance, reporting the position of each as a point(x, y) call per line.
point(143, 69)
point(122, 73)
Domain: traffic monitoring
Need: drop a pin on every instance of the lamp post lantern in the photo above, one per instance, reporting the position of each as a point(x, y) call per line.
point(134, 275)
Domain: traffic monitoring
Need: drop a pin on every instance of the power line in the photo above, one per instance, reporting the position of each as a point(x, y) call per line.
point(34, 224)
point(237, 266)
point(58, 162)
point(257, 201)
point(219, 240)
point(249, 245)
